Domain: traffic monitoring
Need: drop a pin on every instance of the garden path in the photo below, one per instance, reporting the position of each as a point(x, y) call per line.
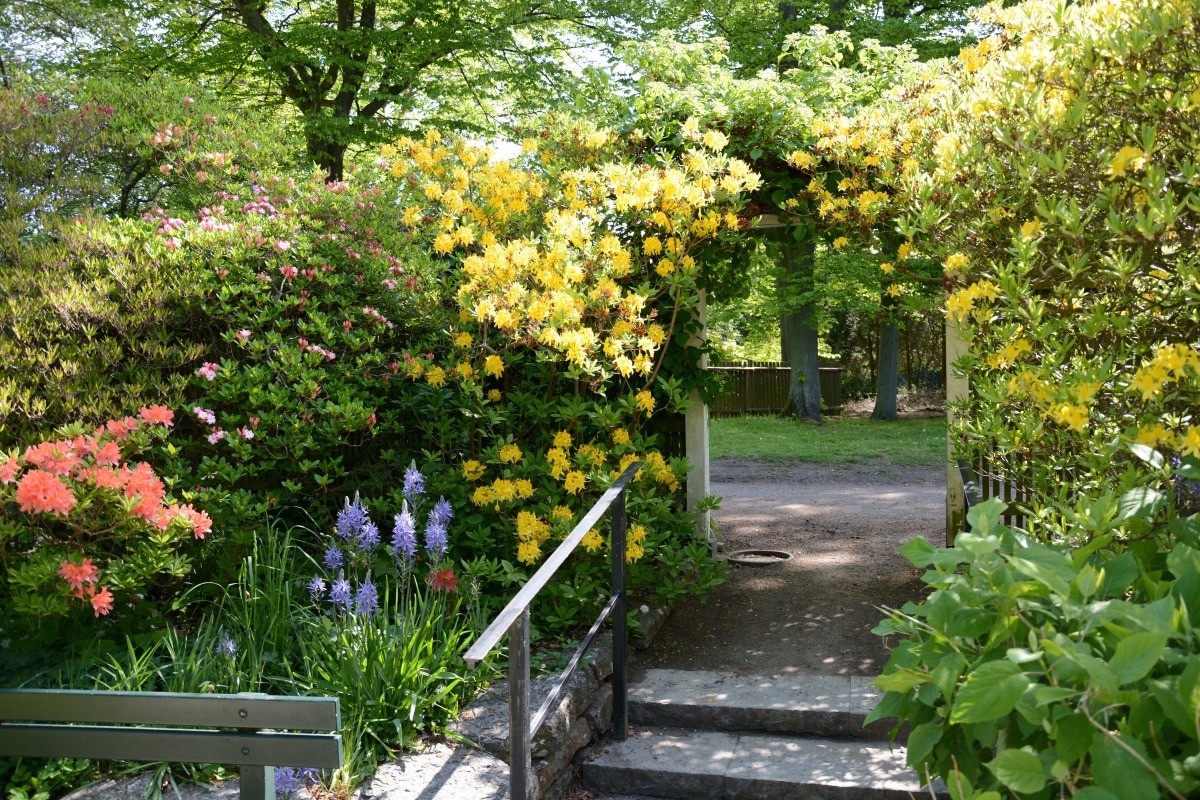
point(814, 613)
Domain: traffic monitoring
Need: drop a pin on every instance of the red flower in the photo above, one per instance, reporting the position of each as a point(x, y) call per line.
point(157, 415)
point(444, 580)
point(41, 491)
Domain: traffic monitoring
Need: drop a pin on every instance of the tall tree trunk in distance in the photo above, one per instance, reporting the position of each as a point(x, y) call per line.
point(798, 337)
point(888, 382)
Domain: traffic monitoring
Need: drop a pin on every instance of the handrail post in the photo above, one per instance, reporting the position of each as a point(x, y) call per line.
point(520, 750)
point(620, 713)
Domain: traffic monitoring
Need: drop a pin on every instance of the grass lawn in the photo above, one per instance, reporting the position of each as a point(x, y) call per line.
point(837, 440)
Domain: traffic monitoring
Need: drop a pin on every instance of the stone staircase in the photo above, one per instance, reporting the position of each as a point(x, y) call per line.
point(706, 735)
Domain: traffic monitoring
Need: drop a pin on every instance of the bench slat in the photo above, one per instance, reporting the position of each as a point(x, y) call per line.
point(167, 708)
point(168, 744)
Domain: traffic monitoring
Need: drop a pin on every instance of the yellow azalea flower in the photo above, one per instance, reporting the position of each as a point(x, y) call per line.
point(960, 304)
point(840, 242)
point(895, 290)
point(494, 366)
point(1154, 434)
point(482, 496)
point(956, 262)
point(623, 366)
point(1031, 229)
point(528, 552)
point(524, 488)
point(651, 246)
point(443, 244)
point(801, 159)
point(503, 490)
point(432, 191)
point(887, 268)
point(436, 376)
point(562, 440)
point(1127, 157)
point(1189, 442)
point(562, 513)
point(462, 339)
point(472, 470)
point(657, 334)
point(412, 215)
point(1149, 381)
point(494, 395)
point(510, 453)
point(690, 129)
point(665, 267)
point(905, 250)
point(645, 401)
point(574, 482)
point(636, 533)
point(620, 436)
point(529, 146)
point(1070, 415)
point(714, 140)
point(464, 370)
point(592, 540)
point(633, 551)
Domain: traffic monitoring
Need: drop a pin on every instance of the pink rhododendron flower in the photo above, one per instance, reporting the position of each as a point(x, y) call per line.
point(281, 245)
point(288, 271)
point(204, 415)
point(144, 485)
point(42, 492)
point(120, 428)
point(208, 371)
point(254, 422)
point(109, 454)
point(246, 433)
point(216, 436)
point(243, 334)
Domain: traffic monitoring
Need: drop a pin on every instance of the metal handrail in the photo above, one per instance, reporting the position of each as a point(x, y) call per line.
point(514, 620)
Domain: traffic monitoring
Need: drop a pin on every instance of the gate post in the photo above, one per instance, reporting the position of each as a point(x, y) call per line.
point(696, 434)
point(957, 388)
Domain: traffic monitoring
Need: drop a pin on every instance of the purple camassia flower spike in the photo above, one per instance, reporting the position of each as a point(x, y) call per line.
point(404, 536)
point(351, 518)
point(339, 595)
point(414, 483)
point(366, 599)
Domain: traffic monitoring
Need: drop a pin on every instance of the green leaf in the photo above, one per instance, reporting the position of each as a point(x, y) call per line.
point(1136, 655)
point(1019, 770)
point(991, 691)
point(1140, 502)
point(921, 741)
point(1049, 567)
point(1148, 454)
point(1118, 770)
point(902, 680)
point(1094, 793)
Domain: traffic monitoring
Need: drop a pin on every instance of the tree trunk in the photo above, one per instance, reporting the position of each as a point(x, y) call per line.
point(798, 337)
point(329, 156)
point(887, 384)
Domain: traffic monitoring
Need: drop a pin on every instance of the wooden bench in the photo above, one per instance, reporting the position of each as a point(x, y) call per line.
point(236, 729)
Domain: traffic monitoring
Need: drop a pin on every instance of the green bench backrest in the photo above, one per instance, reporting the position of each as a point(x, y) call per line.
point(29, 726)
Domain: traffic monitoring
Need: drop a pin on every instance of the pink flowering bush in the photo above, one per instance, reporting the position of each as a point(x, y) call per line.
point(83, 526)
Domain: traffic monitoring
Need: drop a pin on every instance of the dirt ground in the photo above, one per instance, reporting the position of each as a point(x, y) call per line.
point(814, 613)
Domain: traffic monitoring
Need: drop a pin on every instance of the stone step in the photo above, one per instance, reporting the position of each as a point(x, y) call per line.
point(823, 705)
point(724, 765)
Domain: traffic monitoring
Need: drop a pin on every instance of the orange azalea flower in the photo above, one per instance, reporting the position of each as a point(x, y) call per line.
point(78, 575)
point(40, 491)
point(56, 457)
point(9, 470)
point(102, 601)
point(146, 486)
point(157, 415)
point(109, 454)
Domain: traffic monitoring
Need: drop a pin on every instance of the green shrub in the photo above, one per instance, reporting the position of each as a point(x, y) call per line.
point(1035, 671)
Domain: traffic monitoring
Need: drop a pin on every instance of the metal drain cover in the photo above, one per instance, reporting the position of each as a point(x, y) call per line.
point(758, 558)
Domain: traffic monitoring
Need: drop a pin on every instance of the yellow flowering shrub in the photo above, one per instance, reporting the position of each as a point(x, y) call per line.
point(1053, 174)
point(572, 269)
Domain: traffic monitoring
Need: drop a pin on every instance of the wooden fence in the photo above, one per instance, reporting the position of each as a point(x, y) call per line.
point(761, 387)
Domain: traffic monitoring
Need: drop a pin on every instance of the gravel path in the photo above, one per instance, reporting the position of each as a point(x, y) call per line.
point(813, 614)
